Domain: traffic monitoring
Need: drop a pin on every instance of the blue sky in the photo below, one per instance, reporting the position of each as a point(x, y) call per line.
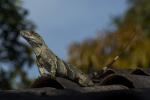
point(62, 22)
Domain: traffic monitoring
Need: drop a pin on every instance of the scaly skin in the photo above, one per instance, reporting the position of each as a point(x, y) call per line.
point(48, 61)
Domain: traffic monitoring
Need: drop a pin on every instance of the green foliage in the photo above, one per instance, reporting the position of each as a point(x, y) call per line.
point(92, 54)
point(14, 54)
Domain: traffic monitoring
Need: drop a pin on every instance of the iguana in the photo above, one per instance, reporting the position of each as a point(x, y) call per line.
point(47, 61)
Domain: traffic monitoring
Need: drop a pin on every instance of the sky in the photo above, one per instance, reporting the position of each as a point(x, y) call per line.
point(62, 22)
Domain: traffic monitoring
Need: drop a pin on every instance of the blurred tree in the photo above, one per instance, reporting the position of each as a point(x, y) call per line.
point(92, 54)
point(14, 54)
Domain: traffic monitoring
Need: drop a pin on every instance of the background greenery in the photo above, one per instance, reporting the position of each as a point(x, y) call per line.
point(13, 51)
point(92, 54)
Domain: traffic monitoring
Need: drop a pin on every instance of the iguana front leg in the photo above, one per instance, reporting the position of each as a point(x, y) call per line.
point(41, 69)
point(51, 67)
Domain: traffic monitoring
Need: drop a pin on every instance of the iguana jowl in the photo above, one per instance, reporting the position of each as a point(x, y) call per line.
point(48, 61)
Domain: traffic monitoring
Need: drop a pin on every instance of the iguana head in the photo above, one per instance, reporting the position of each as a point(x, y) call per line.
point(32, 37)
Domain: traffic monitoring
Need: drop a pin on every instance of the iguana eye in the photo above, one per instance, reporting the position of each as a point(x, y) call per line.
point(32, 32)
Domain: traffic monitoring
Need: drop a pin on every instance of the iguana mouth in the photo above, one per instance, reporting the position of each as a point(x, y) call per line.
point(25, 34)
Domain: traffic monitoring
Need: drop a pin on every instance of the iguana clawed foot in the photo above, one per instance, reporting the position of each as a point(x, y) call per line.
point(43, 73)
point(52, 76)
